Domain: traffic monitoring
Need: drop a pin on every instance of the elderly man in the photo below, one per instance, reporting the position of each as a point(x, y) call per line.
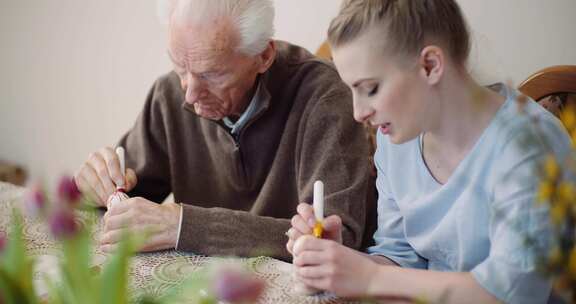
point(238, 132)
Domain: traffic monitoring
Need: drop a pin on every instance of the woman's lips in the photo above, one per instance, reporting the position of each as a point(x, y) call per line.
point(385, 128)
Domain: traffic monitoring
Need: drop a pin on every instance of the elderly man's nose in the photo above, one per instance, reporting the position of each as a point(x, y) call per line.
point(193, 88)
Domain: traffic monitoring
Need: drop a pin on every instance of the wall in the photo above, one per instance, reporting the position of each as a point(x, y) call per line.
point(74, 74)
point(515, 38)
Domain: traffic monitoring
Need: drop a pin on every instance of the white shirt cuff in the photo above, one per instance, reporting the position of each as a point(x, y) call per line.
point(179, 227)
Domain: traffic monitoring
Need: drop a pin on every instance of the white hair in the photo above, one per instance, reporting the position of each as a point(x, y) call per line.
point(254, 19)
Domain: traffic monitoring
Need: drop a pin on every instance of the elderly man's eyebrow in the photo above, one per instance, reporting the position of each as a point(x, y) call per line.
point(213, 70)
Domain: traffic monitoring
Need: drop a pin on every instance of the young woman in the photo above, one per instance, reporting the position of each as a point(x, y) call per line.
point(456, 177)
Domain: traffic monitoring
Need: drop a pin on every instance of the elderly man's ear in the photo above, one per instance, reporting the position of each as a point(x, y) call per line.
point(266, 58)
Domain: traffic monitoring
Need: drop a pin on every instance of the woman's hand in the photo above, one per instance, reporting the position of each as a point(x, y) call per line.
point(328, 265)
point(303, 223)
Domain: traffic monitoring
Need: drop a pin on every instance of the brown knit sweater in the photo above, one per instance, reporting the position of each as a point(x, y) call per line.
point(238, 196)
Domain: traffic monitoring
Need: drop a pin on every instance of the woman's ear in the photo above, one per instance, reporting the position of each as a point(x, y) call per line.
point(266, 58)
point(432, 64)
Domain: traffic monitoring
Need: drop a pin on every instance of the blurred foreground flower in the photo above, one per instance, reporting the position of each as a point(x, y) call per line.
point(62, 224)
point(220, 281)
point(559, 192)
point(59, 212)
point(236, 286)
point(72, 229)
point(68, 191)
point(71, 223)
point(35, 200)
point(568, 118)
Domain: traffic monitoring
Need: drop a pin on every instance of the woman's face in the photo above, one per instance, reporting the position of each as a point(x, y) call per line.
point(388, 93)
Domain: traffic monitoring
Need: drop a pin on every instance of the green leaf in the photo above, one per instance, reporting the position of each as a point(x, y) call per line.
point(13, 259)
point(78, 281)
point(195, 289)
point(54, 293)
point(114, 280)
point(16, 264)
point(11, 292)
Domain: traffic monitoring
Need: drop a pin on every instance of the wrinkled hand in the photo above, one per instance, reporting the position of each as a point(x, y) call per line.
point(327, 265)
point(100, 174)
point(140, 216)
point(303, 223)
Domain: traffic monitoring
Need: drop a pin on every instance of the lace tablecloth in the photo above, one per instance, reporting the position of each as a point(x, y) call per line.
point(151, 273)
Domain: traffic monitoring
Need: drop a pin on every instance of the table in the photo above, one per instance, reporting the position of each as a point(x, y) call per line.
point(151, 273)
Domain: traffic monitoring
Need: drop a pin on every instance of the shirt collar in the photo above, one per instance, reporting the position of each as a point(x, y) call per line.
point(251, 110)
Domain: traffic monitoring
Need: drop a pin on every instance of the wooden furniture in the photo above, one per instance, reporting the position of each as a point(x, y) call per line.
point(324, 51)
point(12, 174)
point(554, 80)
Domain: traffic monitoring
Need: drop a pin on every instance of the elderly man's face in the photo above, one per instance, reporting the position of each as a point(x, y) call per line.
point(218, 80)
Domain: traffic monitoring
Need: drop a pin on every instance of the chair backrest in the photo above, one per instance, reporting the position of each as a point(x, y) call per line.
point(554, 80)
point(324, 51)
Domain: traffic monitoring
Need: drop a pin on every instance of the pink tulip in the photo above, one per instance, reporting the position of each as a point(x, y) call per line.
point(235, 286)
point(62, 224)
point(35, 200)
point(68, 191)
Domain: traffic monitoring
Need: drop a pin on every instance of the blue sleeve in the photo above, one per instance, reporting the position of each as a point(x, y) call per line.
point(510, 271)
point(390, 240)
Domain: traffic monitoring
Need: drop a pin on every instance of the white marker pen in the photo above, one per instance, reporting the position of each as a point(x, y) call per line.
point(318, 206)
point(120, 194)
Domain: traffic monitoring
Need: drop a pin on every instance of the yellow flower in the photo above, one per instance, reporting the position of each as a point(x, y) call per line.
point(572, 263)
point(545, 191)
point(558, 214)
point(551, 169)
point(565, 193)
point(555, 257)
point(568, 117)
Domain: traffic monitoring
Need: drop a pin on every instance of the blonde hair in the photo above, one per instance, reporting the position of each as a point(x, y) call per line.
point(408, 25)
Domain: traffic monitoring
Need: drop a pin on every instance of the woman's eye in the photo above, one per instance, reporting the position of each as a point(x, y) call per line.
point(373, 91)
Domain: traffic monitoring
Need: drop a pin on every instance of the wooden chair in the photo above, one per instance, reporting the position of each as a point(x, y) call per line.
point(12, 174)
point(554, 80)
point(324, 51)
point(553, 87)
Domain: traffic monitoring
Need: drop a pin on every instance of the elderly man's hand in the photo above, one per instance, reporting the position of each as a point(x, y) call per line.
point(158, 221)
point(100, 174)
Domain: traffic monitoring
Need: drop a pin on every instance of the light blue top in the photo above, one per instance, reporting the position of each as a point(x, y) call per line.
point(477, 221)
point(253, 106)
